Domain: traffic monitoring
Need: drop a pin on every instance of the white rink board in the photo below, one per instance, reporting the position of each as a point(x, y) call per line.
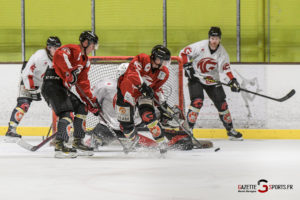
point(272, 80)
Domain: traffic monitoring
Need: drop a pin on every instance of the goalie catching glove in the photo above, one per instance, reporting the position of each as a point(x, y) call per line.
point(146, 90)
point(234, 85)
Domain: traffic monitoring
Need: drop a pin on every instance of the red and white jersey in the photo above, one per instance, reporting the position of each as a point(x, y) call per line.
point(69, 60)
point(205, 64)
point(106, 93)
point(138, 72)
point(35, 68)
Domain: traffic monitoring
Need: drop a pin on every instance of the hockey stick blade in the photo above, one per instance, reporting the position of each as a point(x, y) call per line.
point(286, 97)
point(22, 143)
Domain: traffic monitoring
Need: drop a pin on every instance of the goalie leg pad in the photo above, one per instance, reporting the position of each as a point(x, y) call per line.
point(104, 133)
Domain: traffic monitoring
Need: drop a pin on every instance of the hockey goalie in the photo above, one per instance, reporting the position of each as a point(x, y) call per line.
point(105, 92)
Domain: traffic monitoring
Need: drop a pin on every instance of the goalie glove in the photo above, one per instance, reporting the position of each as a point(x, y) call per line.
point(146, 90)
point(189, 70)
point(234, 85)
point(35, 94)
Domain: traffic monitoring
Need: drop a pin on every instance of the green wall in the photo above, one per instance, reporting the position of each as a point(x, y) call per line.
point(128, 27)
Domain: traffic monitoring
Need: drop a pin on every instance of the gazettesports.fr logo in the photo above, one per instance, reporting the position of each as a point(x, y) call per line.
point(262, 186)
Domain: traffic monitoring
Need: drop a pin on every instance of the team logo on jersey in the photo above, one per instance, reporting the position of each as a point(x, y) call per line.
point(187, 50)
point(192, 117)
point(161, 75)
point(148, 80)
point(138, 65)
point(147, 67)
point(226, 66)
point(207, 64)
point(32, 68)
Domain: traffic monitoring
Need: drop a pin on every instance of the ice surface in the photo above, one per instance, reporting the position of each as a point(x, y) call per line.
point(196, 174)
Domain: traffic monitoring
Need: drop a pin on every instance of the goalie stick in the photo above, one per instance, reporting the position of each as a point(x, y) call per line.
point(125, 149)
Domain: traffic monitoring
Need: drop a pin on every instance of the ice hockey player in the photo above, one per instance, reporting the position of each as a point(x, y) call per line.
point(105, 91)
point(30, 85)
point(203, 61)
point(70, 67)
point(143, 81)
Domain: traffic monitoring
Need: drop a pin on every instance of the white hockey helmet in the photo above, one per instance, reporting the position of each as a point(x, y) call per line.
point(121, 69)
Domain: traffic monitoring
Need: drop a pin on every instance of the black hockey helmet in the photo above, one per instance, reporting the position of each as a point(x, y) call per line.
point(90, 36)
point(161, 52)
point(214, 31)
point(53, 41)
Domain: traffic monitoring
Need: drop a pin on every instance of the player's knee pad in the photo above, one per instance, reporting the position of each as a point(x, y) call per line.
point(147, 113)
point(221, 106)
point(24, 103)
point(197, 103)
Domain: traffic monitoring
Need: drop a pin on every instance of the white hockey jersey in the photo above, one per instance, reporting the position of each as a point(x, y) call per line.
point(106, 93)
point(205, 64)
point(35, 68)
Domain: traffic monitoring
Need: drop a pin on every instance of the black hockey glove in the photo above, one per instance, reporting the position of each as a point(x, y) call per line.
point(146, 90)
point(234, 85)
point(166, 112)
point(189, 70)
point(35, 94)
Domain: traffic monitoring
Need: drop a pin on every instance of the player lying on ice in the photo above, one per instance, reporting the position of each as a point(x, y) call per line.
point(105, 91)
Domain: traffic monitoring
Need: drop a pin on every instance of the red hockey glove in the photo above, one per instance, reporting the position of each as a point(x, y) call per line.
point(94, 109)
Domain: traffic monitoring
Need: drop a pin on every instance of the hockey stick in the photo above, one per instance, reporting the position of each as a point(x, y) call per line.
point(125, 150)
point(199, 145)
point(25, 145)
point(286, 97)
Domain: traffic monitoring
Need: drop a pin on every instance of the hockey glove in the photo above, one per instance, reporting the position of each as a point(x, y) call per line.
point(96, 108)
point(189, 71)
point(234, 85)
point(167, 112)
point(35, 94)
point(146, 90)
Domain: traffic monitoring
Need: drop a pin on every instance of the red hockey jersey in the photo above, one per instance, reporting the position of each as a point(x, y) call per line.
point(72, 66)
point(138, 72)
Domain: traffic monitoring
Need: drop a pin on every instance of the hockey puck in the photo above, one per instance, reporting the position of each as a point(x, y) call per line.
point(217, 149)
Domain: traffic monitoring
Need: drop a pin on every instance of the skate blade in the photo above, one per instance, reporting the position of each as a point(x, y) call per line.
point(84, 153)
point(59, 154)
point(8, 139)
point(235, 139)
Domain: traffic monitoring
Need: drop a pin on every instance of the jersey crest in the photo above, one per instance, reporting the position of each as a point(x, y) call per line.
point(207, 64)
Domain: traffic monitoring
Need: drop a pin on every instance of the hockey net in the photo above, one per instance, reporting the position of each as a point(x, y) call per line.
point(105, 67)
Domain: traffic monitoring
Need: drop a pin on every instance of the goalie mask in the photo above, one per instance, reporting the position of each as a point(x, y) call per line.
point(121, 69)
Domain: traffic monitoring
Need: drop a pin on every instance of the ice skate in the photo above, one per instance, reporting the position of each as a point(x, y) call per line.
point(83, 150)
point(234, 135)
point(12, 136)
point(61, 151)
